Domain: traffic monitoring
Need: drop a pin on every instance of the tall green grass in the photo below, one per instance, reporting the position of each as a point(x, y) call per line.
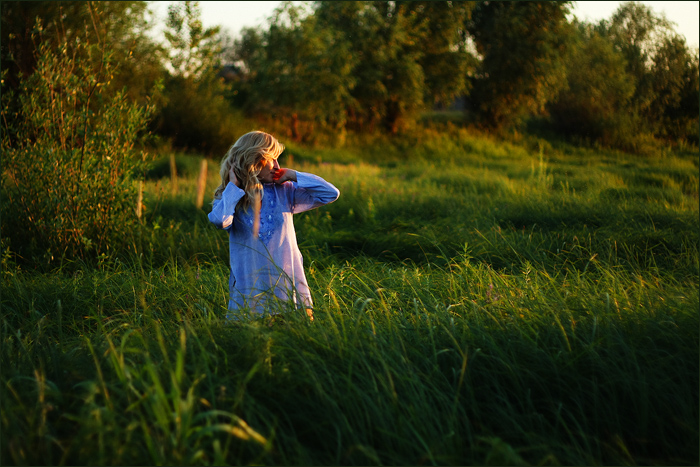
point(482, 303)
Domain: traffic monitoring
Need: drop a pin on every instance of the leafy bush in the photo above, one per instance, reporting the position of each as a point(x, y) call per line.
point(70, 156)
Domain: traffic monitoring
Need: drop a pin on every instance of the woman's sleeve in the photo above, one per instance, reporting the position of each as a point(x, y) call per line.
point(223, 209)
point(311, 191)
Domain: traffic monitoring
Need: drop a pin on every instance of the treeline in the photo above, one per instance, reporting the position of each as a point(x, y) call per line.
point(85, 85)
point(376, 66)
point(367, 65)
point(177, 73)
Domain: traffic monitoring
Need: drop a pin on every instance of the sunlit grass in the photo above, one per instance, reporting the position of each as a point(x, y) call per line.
point(481, 304)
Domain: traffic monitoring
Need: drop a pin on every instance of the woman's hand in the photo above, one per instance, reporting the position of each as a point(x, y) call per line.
point(281, 175)
point(232, 177)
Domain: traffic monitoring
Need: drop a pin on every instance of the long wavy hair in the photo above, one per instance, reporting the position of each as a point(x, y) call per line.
point(248, 156)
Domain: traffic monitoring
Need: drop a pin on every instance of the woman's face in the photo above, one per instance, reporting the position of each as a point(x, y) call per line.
point(269, 168)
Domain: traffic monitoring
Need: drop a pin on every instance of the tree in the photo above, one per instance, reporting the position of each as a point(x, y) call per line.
point(358, 64)
point(662, 67)
point(409, 55)
point(674, 83)
point(193, 51)
point(447, 62)
point(196, 114)
point(599, 90)
point(297, 70)
point(385, 39)
point(637, 32)
point(523, 45)
point(124, 22)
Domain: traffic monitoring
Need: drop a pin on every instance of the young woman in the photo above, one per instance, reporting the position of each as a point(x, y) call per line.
point(255, 203)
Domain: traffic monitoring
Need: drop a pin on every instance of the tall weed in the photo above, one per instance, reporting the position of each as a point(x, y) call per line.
point(70, 157)
point(491, 305)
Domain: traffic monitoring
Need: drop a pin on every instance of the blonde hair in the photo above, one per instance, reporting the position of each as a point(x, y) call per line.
point(248, 156)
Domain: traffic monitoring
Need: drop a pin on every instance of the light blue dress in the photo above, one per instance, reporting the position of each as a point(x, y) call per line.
point(270, 266)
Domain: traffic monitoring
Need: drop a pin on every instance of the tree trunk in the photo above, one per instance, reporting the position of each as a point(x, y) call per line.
point(201, 184)
point(295, 127)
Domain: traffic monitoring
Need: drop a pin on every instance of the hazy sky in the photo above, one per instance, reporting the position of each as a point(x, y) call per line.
point(236, 15)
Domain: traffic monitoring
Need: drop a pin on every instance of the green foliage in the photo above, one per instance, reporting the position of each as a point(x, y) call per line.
point(193, 50)
point(124, 22)
point(478, 303)
point(196, 115)
point(298, 71)
point(70, 156)
point(356, 65)
point(599, 91)
point(368, 66)
point(447, 61)
point(523, 45)
point(674, 108)
point(458, 363)
point(631, 81)
point(663, 69)
point(386, 37)
point(320, 69)
point(637, 32)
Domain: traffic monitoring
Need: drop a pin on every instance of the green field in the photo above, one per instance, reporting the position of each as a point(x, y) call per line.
point(477, 303)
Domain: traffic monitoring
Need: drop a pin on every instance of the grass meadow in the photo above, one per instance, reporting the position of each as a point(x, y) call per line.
point(477, 302)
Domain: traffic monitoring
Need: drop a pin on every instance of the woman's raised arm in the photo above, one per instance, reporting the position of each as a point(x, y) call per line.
point(311, 191)
point(224, 208)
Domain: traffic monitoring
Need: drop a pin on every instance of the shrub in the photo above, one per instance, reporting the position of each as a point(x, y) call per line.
point(70, 156)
